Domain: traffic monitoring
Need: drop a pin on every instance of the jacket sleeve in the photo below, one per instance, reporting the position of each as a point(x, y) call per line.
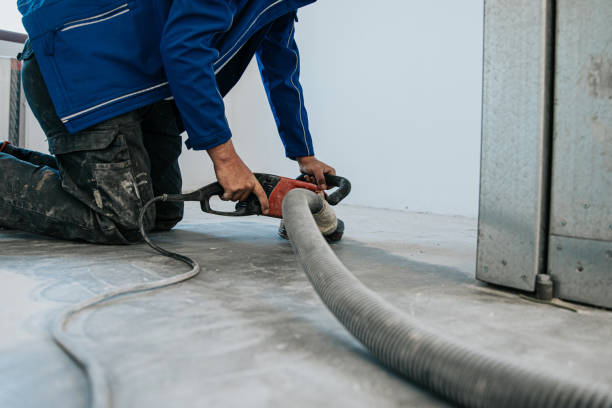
point(279, 64)
point(188, 60)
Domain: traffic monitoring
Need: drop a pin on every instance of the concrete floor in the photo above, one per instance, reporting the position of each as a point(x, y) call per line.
point(250, 331)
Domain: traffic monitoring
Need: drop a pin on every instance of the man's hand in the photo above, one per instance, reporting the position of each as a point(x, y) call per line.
point(237, 180)
point(315, 170)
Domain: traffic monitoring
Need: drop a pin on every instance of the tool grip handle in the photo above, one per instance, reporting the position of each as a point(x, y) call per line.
point(215, 189)
point(343, 184)
point(204, 195)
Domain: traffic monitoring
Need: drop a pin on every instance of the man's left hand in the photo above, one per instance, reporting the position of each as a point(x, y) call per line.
point(315, 170)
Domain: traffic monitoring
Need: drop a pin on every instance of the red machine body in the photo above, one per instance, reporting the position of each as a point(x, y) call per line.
point(280, 190)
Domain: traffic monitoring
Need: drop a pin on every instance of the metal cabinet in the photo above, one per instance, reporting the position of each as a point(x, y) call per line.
point(546, 168)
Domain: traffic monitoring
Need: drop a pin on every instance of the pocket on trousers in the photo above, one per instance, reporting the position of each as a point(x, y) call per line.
point(116, 194)
point(97, 169)
point(97, 138)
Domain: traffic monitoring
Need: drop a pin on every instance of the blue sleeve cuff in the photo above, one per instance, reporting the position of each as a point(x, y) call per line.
point(294, 153)
point(210, 142)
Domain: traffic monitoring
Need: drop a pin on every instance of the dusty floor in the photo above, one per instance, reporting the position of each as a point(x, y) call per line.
point(250, 331)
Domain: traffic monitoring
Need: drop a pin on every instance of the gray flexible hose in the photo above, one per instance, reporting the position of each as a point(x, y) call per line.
point(462, 375)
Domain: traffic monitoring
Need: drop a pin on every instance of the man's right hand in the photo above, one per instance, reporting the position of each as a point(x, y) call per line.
point(235, 177)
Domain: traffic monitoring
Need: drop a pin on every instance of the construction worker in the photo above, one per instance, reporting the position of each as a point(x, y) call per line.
point(113, 85)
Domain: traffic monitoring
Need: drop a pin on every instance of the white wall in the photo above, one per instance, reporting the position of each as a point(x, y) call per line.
point(10, 18)
point(393, 91)
point(10, 49)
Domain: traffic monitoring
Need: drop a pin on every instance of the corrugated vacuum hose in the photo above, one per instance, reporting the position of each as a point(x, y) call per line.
point(462, 375)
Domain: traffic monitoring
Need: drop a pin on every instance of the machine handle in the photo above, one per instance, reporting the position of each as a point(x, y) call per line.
point(215, 189)
point(204, 194)
point(344, 187)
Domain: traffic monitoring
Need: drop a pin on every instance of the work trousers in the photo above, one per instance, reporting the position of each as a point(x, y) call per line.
point(96, 182)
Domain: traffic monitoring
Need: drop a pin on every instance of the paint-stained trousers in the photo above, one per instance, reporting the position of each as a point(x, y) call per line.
point(96, 181)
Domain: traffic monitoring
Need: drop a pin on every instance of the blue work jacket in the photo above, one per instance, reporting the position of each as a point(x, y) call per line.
point(103, 58)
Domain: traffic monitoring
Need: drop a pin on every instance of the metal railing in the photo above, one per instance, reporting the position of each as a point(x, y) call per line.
point(11, 36)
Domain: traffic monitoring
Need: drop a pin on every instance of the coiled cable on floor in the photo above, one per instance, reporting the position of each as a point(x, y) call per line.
point(99, 389)
point(463, 375)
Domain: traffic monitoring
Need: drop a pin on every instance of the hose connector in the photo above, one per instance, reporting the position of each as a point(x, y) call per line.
point(331, 227)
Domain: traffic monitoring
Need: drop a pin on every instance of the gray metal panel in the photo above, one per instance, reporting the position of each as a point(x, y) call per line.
point(582, 164)
point(15, 134)
point(580, 255)
point(515, 142)
point(5, 97)
point(12, 102)
point(582, 270)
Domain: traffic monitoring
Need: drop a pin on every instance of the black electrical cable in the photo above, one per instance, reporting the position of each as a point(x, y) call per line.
point(99, 390)
point(156, 247)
